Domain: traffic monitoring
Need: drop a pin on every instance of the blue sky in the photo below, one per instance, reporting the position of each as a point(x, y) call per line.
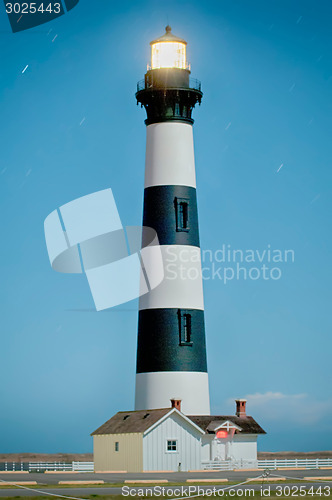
point(266, 74)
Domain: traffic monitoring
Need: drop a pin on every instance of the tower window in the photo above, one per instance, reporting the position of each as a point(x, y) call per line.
point(116, 447)
point(185, 327)
point(171, 445)
point(182, 214)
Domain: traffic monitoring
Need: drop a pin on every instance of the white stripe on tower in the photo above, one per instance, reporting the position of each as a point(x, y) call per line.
point(171, 352)
point(181, 288)
point(169, 158)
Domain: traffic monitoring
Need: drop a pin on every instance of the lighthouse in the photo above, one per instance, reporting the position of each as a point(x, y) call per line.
point(171, 348)
point(171, 427)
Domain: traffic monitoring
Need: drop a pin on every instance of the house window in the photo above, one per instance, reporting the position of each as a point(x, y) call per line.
point(116, 446)
point(171, 445)
point(185, 327)
point(182, 214)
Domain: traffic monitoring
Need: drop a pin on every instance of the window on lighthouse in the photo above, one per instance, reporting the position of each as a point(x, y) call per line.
point(182, 214)
point(185, 327)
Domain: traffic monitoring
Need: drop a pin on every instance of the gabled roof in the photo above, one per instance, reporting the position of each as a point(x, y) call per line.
point(184, 417)
point(209, 423)
point(131, 421)
point(140, 421)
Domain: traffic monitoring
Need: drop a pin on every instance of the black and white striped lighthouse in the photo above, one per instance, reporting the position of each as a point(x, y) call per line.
point(171, 351)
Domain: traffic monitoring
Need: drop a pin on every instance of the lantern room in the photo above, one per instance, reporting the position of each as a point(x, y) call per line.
point(168, 51)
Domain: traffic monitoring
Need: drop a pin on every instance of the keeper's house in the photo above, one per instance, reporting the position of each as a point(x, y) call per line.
point(167, 440)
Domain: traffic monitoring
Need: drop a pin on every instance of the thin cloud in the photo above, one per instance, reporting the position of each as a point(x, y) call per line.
point(259, 398)
point(292, 408)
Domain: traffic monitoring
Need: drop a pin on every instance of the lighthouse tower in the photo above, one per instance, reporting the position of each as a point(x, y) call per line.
point(171, 351)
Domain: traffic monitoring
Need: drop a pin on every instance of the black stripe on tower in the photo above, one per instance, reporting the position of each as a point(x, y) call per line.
point(171, 340)
point(172, 212)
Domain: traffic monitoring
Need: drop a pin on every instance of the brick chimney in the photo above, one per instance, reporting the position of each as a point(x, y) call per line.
point(241, 407)
point(176, 403)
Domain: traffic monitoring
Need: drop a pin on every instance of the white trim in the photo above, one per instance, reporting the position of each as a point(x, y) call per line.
point(182, 286)
point(228, 425)
point(173, 410)
point(169, 158)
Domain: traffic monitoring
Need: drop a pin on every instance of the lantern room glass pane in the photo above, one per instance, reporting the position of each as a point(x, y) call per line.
point(168, 55)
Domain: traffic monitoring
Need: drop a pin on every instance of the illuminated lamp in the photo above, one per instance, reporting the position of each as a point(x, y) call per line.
point(168, 51)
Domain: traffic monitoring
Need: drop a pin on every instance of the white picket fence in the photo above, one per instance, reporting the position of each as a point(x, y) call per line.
point(47, 466)
point(307, 463)
point(83, 466)
point(229, 464)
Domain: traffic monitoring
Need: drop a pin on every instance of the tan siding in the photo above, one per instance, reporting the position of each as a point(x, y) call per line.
point(128, 458)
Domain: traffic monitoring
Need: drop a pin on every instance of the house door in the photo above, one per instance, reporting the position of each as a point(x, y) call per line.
point(219, 449)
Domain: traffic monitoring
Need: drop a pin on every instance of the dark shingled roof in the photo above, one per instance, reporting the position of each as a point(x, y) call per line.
point(131, 421)
point(207, 422)
point(141, 420)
